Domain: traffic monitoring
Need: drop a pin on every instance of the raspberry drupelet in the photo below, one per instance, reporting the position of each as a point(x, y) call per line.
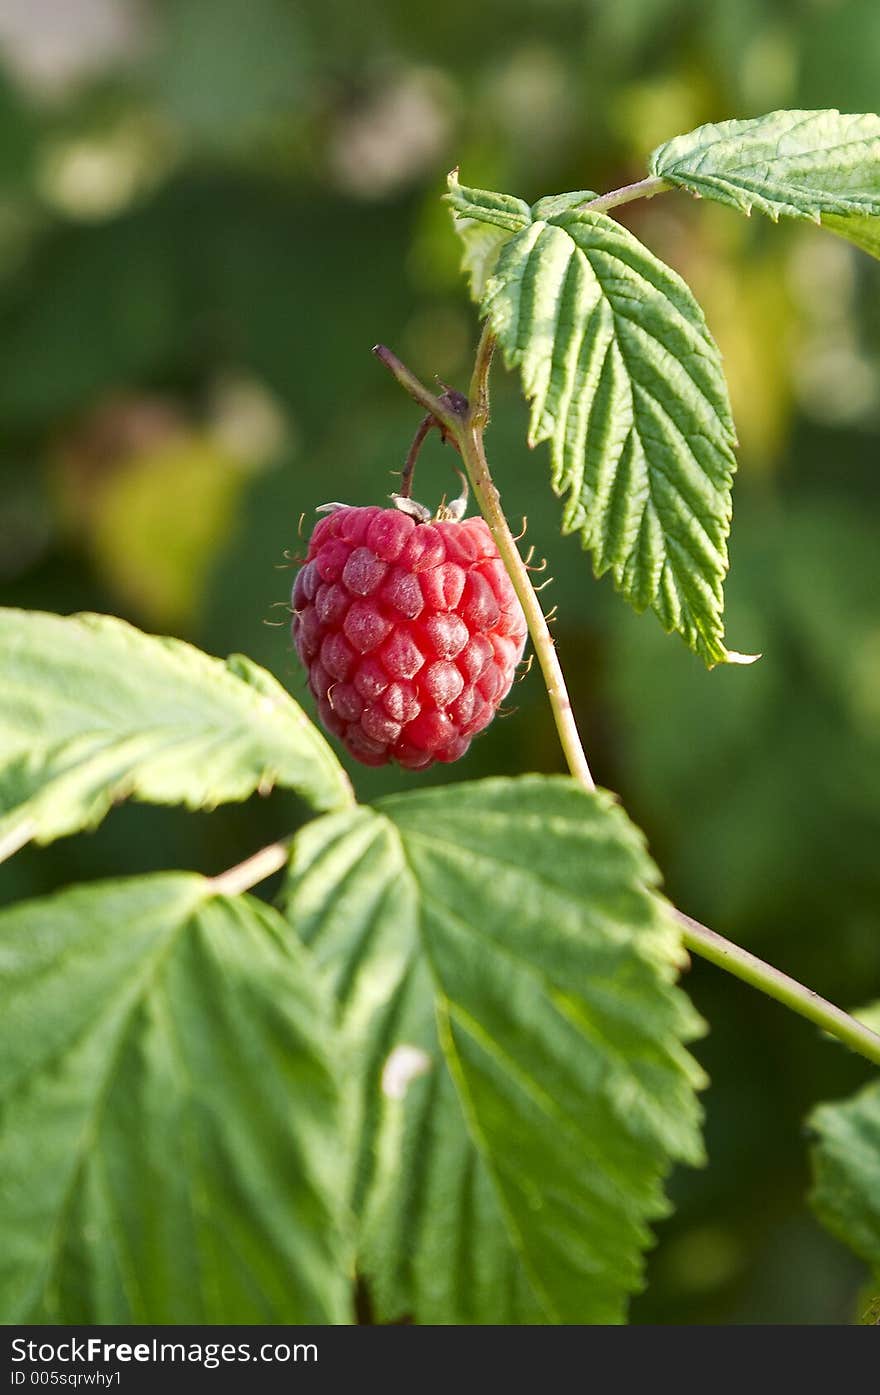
point(410, 632)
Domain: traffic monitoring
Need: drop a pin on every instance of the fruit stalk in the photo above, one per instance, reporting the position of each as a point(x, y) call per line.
point(473, 455)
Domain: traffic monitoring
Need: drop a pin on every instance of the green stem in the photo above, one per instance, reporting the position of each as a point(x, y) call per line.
point(642, 189)
point(469, 437)
point(406, 478)
point(780, 986)
point(441, 410)
point(253, 870)
point(696, 937)
point(467, 427)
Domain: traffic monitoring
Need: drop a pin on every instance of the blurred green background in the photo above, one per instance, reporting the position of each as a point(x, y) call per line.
point(210, 210)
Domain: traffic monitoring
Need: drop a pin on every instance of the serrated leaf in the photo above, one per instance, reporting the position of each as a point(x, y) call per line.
point(484, 221)
point(486, 206)
point(93, 711)
point(513, 1036)
point(846, 1169)
point(819, 165)
point(626, 384)
point(430, 1179)
point(554, 204)
point(169, 1118)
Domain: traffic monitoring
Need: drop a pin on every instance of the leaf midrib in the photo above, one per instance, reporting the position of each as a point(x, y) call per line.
point(454, 1066)
point(446, 1009)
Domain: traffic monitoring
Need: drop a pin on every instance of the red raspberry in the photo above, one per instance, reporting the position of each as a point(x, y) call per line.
point(410, 632)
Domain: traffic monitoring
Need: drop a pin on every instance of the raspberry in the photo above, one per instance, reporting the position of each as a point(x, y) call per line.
point(410, 632)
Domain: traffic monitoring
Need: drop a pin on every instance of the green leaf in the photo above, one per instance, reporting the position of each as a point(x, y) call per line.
point(93, 711)
point(626, 384)
point(846, 1169)
point(170, 1136)
point(819, 165)
point(484, 221)
point(513, 1038)
point(485, 206)
point(554, 204)
point(862, 232)
point(431, 1180)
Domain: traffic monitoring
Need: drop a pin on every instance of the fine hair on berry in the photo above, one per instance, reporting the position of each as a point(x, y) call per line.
point(410, 632)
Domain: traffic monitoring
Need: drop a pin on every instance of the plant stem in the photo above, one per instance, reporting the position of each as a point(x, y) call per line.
point(466, 424)
point(253, 870)
point(479, 389)
point(698, 938)
point(642, 189)
point(442, 411)
point(776, 984)
point(406, 478)
point(470, 444)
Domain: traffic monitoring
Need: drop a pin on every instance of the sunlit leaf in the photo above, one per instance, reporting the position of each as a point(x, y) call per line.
point(513, 1037)
point(94, 711)
point(625, 382)
point(819, 165)
point(170, 1142)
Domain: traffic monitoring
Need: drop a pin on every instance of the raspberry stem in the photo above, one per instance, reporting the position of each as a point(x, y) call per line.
point(642, 189)
point(447, 411)
point(465, 421)
point(466, 424)
point(253, 870)
point(473, 455)
point(406, 478)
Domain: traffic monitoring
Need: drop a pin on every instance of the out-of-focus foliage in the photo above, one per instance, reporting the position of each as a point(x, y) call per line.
point(846, 1167)
point(210, 212)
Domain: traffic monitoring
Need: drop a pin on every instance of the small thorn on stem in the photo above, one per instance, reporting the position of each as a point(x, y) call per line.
point(548, 582)
point(521, 534)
